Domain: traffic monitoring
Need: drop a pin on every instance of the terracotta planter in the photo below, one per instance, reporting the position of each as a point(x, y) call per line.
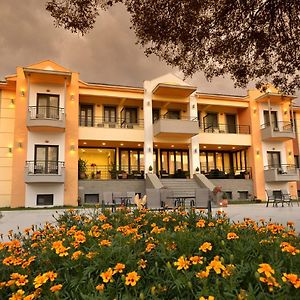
point(223, 202)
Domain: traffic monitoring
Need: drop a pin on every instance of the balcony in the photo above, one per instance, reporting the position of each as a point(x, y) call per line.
point(166, 127)
point(281, 173)
point(279, 131)
point(44, 171)
point(227, 173)
point(117, 129)
point(46, 118)
point(212, 134)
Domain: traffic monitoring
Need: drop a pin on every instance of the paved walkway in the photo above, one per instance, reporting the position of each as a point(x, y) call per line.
point(18, 220)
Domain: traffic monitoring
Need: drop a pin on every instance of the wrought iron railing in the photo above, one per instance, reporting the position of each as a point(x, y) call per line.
point(225, 128)
point(106, 172)
point(283, 169)
point(46, 113)
point(227, 173)
point(280, 126)
point(43, 167)
point(102, 122)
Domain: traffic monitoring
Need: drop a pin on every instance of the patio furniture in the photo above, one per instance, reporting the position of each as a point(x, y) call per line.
point(164, 174)
point(273, 198)
point(287, 198)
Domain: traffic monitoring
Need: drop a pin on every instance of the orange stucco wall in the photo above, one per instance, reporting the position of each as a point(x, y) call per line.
point(71, 139)
point(20, 136)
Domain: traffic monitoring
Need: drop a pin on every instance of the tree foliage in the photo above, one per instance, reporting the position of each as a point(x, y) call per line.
point(251, 40)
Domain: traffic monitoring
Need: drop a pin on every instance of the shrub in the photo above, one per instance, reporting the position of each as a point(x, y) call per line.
point(151, 255)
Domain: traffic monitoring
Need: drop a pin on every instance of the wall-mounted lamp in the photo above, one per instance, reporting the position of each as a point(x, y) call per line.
point(254, 110)
point(22, 93)
point(195, 150)
point(10, 149)
point(72, 148)
point(20, 145)
point(193, 106)
point(285, 111)
point(12, 101)
point(148, 103)
point(149, 149)
point(257, 152)
point(290, 153)
point(72, 97)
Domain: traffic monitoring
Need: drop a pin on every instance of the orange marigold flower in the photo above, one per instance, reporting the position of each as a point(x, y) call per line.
point(105, 243)
point(182, 263)
point(266, 269)
point(203, 274)
point(142, 263)
point(292, 278)
point(40, 280)
point(132, 278)
point(79, 236)
point(232, 236)
point(211, 224)
point(20, 280)
point(106, 226)
point(196, 260)
point(107, 275)
point(102, 218)
point(149, 247)
point(286, 247)
point(270, 281)
point(200, 223)
point(228, 270)
point(51, 275)
point(29, 297)
point(206, 246)
point(19, 295)
point(100, 287)
point(59, 248)
point(56, 288)
point(119, 267)
point(216, 265)
point(208, 298)
point(76, 254)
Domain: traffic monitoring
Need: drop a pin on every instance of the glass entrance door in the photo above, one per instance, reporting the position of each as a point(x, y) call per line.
point(174, 162)
point(86, 115)
point(273, 118)
point(274, 160)
point(231, 123)
point(46, 159)
point(47, 106)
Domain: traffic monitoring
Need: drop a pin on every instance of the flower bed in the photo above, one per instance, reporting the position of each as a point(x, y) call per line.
point(151, 255)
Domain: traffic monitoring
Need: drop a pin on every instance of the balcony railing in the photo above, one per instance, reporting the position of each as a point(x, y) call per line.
point(228, 173)
point(281, 172)
point(102, 122)
point(225, 128)
point(279, 131)
point(46, 113)
point(172, 117)
point(44, 171)
point(281, 126)
point(107, 172)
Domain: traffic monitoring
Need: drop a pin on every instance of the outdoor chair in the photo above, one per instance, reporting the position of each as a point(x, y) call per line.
point(275, 199)
point(286, 198)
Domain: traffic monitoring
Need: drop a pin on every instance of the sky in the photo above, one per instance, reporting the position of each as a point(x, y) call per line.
point(108, 54)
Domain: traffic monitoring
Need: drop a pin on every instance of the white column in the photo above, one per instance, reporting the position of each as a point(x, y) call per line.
point(148, 127)
point(194, 141)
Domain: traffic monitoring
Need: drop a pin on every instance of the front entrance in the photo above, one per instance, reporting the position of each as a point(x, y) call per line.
point(174, 163)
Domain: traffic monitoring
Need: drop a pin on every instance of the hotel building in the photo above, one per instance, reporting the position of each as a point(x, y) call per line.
point(63, 139)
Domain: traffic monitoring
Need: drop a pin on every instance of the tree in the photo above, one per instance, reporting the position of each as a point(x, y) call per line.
point(251, 40)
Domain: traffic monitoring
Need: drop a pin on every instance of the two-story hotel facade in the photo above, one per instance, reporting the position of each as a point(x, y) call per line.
point(63, 138)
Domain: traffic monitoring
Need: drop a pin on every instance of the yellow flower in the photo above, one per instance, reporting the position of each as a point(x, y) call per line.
point(182, 263)
point(200, 223)
point(105, 243)
point(228, 270)
point(209, 298)
point(149, 247)
point(102, 218)
point(51, 275)
point(266, 269)
point(132, 278)
point(142, 263)
point(106, 226)
point(18, 295)
point(286, 247)
point(79, 236)
point(232, 236)
point(292, 278)
point(119, 268)
point(196, 260)
point(107, 276)
point(76, 255)
point(270, 281)
point(29, 297)
point(40, 280)
point(19, 279)
point(205, 247)
point(203, 274)
point(56, 288)
point(216, 265)
point(100, 287)
point(59, 248)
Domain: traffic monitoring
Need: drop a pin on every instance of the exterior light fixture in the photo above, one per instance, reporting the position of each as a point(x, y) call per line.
point(193, 106)
point(22, 93)
point(285, 111)
point(20, 145)
point(12, 101)
point(254, 110)
point(72, 97)
point(10, 149)
point(290, 153)
point(72, 148)
point(149, 149)
point(103, 144)
point(195, 150)
point(257, 152)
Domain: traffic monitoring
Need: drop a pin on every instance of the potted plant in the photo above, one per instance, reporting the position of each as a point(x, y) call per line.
point(82, 165)
point(197, 170)
point(150, 169)
point(224, 201)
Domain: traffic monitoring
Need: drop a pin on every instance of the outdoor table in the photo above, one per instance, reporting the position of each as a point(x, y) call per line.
point(123, 200)
point(181, 200)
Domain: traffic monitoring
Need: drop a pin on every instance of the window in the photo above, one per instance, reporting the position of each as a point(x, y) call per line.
point(46, 199)
point(131, 160)
point(46, 159)
point(131, 115)
point(297, 163)
point(274, 159)
point(155, 114)
point(210, 122)
point(273, 119)
point(231, 123)
point(243, 195)
point(86, 115)
point(110, 114)
point(229, 194)
point(91, 198)
point(47, 106)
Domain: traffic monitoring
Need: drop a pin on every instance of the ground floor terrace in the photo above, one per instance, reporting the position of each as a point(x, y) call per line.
point(107, 160)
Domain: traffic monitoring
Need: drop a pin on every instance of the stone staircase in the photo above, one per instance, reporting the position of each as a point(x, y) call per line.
point(180, 186)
